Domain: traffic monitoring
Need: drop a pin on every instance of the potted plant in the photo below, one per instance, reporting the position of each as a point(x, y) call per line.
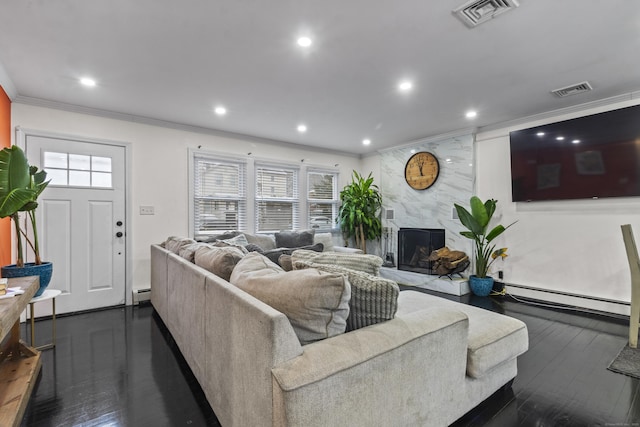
point(359, 214)
point(20, 186)
point(477, 223)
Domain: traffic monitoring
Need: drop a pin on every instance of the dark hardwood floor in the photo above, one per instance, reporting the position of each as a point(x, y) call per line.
point(120, 367)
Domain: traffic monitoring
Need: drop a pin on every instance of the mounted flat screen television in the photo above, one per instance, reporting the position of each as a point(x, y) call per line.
point(587, 157)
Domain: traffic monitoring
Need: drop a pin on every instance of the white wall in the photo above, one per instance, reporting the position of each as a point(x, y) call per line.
point(160, 168)
point(567, 246)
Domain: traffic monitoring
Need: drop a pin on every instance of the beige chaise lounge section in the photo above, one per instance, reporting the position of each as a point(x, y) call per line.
point(409, 371)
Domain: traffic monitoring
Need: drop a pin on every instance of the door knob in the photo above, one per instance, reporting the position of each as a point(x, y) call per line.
point(119, 234)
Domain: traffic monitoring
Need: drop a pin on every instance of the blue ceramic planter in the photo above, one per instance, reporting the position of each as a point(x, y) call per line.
point(43, 270)
point(481, 286)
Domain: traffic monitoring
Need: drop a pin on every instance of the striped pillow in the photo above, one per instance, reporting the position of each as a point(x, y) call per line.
point(360, 262)
point(373, 299)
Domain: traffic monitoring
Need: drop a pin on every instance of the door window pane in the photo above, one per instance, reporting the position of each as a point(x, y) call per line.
point(101, 164)
point(79, 162)
point(101, 179)
point(57, 176)
point(80, 178)
point(55, 160)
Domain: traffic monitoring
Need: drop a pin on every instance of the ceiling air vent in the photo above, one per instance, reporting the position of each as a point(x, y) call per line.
point(475, 12)
point(572, 90)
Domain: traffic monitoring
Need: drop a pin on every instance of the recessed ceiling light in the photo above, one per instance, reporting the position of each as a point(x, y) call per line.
point(302, 128)
point(366, 141)
point(405, 86)
point(304, 41)
point(86, 81)
point(560, 138)
point(576, 141)
point(540, 134)
point(221, 111)
point(471, 114)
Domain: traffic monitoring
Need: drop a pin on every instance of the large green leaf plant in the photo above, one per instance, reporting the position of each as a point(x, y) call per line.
point(359, 213)
point(477, 223)
point(20, 187)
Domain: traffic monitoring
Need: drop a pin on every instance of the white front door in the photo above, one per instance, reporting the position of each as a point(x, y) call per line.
point(81, 220)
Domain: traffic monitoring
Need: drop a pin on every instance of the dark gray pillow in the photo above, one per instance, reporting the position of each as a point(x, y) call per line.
point(294, 239)
point(254, 248)
point(274, 254)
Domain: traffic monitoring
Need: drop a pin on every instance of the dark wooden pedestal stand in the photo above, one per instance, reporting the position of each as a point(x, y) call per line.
point(19, 363)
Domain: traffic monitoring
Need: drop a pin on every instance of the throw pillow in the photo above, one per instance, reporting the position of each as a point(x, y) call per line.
point(210, 238)
point(264, 241)
point(294, 239)
point(326, 239)
point(315, 302)
point(174, 243)
point(239, 240)
point(253, 248)
point(225, 244)
point(285, 262)
point(274, 254)
point(188, 251)
point(361, 262)
point(218, 260)
point(373, 298)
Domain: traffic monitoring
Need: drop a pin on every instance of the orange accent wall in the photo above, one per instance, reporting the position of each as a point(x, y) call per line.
point(5, 141)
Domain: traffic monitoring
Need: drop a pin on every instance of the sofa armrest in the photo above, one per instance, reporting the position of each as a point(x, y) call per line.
point(346, 250)
point(402, 363)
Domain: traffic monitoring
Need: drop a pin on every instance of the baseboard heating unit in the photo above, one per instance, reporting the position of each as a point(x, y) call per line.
point(141, 295)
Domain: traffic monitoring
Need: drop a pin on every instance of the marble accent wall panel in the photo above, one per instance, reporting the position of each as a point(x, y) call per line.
point(433, 207)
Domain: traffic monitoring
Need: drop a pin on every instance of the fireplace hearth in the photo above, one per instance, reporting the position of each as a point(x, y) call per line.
point(414, 247)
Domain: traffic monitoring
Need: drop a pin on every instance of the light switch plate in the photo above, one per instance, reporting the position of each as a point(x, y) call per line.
point(147, 210)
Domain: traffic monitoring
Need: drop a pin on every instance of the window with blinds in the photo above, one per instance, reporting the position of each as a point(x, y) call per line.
point(322, 199)
point(219, 195)
point(277, 204)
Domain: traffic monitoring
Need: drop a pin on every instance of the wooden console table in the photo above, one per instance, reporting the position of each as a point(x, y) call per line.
point(19, 363)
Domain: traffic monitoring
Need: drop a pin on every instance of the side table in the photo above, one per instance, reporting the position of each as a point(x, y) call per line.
point(46, 295)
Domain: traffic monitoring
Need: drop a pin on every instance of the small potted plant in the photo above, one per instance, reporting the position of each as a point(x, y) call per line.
point(477, 223)
point(20, 187)
point(359, 213)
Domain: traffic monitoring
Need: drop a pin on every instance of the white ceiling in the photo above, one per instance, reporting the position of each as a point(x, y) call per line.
point(176, 60)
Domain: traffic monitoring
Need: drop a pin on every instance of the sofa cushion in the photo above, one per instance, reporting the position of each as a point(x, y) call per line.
point(493, 338)
point(218, 260)
point(274, 254)
point(264, 241)
point(360, 262)
point(373, 298)
point(316, 302)
point(326, 239)
point(294, 239)
point(188, 251)
point(239, 240)
point(174, 243)
point(285, 262)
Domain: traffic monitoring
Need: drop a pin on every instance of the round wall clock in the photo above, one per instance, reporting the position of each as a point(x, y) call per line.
point(421, 170)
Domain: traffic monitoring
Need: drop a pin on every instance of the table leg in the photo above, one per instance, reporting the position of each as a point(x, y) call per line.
point(33, 330)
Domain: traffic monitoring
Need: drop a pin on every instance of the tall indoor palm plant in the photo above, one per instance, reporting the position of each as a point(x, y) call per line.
point(20, 187)
point(359, 214)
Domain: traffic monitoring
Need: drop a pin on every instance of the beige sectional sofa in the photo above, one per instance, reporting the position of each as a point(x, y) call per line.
point(429, 365)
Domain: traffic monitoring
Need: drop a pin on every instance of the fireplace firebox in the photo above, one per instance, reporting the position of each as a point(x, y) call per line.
point(414, 247)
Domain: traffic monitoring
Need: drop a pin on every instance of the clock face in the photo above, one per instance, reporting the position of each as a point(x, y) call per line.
point(421, 171)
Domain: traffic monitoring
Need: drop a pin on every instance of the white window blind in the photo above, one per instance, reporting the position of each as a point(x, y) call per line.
point(219, 195)
point(322, 199)
point(277, 204)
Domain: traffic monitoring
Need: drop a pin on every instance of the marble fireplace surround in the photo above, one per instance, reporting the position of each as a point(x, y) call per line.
point(433, 207)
